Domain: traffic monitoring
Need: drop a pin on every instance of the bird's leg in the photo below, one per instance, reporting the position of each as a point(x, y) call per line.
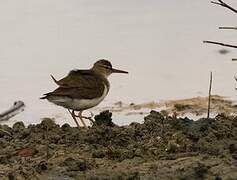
point(86, 117)
point(81, 118)
point(89, 118)
point(74, 117)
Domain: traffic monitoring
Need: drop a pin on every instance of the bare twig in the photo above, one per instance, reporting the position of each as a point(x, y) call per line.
point(221, 44)
point(232, 28)
point(209, 97)
point(223, 4)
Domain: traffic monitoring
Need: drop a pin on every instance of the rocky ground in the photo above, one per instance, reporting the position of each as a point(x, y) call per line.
point(163, 147)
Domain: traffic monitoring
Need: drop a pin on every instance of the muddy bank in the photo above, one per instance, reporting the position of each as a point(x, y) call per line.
point(196, 106)
point(163, 147)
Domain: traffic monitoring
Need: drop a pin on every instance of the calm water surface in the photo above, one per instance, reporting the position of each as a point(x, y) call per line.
point(158, 41)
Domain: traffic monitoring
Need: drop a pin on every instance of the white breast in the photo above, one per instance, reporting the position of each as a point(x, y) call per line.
point(88, 103)
point(78, 104)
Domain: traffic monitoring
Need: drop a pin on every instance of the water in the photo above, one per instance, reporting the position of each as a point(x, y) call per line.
point(158, 41)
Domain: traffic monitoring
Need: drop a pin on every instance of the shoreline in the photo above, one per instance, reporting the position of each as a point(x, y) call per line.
point(125, 113)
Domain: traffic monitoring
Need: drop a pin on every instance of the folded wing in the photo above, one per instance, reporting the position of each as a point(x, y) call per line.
point(81, 84)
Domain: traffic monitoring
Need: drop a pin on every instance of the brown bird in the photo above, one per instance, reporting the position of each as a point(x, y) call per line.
point(83, 89)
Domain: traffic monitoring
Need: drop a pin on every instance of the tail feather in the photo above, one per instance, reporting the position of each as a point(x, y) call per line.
point(47, 94)
point(54, 79)
point(44, 97)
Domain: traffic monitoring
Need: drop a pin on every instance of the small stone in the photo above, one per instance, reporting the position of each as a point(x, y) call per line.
point(48, 123)
point(104, 118)
point(18, 126)
point(65, 127)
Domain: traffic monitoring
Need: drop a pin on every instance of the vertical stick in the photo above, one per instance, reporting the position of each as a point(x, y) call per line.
point(209, 97)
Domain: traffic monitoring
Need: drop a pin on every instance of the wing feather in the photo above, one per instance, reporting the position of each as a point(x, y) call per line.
point(82, 84)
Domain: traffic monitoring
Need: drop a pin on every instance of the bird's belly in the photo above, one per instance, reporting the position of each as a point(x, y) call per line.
point(78, 104)
point(82, 104)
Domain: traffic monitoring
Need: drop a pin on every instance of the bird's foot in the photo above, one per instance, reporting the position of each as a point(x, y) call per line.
point(90, 118)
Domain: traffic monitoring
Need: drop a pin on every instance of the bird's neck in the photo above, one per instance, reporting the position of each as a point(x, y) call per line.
point(102, 76)
point(100, 72)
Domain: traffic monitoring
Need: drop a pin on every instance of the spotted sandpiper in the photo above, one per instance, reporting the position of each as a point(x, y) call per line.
point(82, 89)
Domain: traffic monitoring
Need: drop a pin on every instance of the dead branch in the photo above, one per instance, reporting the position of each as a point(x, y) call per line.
point(221, 44)
point(232, 28)
point(17, 107)
point(223, 4)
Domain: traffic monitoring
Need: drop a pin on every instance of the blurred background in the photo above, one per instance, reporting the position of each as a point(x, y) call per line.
point(158, 41)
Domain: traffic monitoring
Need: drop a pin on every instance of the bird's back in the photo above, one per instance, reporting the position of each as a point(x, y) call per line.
point(81, 84)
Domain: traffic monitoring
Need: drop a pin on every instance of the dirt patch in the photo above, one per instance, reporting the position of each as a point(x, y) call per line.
point(163, 147)
point(196, 106)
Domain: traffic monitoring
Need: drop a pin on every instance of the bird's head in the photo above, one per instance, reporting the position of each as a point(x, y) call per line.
point(105, 68)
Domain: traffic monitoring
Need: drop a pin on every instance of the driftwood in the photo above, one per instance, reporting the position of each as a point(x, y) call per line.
point(17, 107)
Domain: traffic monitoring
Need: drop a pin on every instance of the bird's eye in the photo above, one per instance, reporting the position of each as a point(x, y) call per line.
point(107, 67)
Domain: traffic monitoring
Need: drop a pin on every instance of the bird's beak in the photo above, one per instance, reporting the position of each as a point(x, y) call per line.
point(119, 71)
